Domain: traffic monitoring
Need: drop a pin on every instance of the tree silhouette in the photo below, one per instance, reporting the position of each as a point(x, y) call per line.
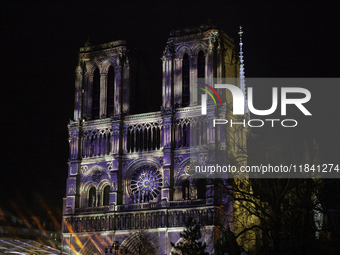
point(190, 244)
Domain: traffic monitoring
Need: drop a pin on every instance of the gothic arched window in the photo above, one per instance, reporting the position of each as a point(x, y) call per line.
point(110, 91)
point(185, 189)
point(128, 143)
point(200, 73)
point(185, 81)
point(201, 189)
point(92, 197)
point(106, 195)
point(158, 138)
point(132, 141)
point(96, 94)
point(184, 138)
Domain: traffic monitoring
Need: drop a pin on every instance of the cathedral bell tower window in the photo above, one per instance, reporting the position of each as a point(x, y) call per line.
point(92, 197)
point(185, 81)
point(96, 94)
point(201, 189)
point(110, 91)
point(106, 195)
point(185, 190)
point(200, 73)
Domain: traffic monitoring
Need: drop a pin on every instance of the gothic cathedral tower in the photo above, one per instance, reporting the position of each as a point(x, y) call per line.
point(129, 174)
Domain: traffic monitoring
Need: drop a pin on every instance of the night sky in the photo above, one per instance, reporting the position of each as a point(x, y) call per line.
point(39, 46)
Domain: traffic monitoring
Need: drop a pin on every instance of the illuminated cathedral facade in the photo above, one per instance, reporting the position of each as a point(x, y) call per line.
point(130, 173)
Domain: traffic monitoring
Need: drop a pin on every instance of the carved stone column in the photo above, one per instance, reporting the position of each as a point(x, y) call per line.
point(89, 94)
point(134, 138)
point(193, 80)
point(117, 93)
point(177, 80)
point(168, 75)
point(78, 101)
point(125, 133)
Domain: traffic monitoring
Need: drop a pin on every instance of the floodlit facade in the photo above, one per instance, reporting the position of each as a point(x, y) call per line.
point(129, 174)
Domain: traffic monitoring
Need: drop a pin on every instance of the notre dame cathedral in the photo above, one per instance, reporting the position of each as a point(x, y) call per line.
point(128, 173)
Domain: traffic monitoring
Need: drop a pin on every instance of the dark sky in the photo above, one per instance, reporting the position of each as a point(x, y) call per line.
point(38, 53)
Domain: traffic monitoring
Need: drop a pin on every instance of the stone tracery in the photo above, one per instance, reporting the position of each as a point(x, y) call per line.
point(145, 184)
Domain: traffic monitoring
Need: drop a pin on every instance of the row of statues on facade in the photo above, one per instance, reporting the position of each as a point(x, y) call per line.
point(139, 196)
point(142, 196)
point(94, 201)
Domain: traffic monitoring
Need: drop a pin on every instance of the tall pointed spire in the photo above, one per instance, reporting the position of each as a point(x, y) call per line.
point(241, 55)
point(242, 73)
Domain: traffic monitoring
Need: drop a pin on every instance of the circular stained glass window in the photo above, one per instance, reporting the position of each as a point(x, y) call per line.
point(146, 184)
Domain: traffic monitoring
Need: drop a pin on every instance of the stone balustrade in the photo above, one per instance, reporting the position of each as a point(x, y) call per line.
point(168, 217)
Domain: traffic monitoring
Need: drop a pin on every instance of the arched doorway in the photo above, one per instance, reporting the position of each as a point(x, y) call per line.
point(140, 243)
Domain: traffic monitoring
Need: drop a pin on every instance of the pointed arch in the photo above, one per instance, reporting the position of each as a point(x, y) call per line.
point(91, 66)
point(87, 183)
point(107, 63)
point(182, 50)
point(180, 171)
point(140, 243)
point(199, 47)
point(129, 170)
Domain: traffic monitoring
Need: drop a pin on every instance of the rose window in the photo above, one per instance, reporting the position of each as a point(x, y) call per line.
point(146, 184)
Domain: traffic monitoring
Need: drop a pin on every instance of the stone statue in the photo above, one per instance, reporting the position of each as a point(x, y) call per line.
point(93, 200)
point(193, 194)
point(147, 196)
point(142, 201)
point(98, 200)
point(113, 186)
point(134, 197)
point(138, 199)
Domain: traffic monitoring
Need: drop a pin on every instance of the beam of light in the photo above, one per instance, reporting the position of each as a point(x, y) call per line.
point(21, 216)
point(70, 230)
point(71, 246)
point(34, 218)
point(40, 227)
point(99, 239)
point(49, 212)
point(39, 240)
point(108, 241)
